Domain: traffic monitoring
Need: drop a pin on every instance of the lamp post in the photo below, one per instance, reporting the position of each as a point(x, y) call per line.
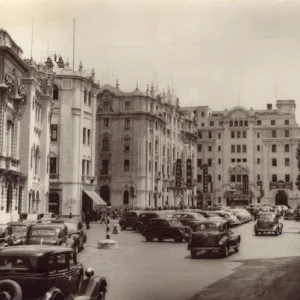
point(232, 190)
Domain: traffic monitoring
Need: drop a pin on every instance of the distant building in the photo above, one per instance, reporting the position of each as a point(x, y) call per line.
point(12, 105)
point(35, 136)
point(247, 156)
point(140, 137)
point(72, 149)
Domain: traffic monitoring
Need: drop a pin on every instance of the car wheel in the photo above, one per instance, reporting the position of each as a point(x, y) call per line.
point(102, 295)
point(160, 239)
point(187, 239)
point(277, 232)
point(123, 227)
point(84, 239)
point(149, 238)
point(178, 239)
point(237, 247)
point(63, 244)
point(256, 233)
point(139, 228)
point(225, 251)
point(193, 254)
point(10, 290)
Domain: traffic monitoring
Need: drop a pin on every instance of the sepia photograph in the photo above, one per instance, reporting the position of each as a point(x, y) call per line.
point(149, 149)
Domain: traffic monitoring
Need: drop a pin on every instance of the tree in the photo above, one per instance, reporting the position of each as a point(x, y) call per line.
point(298, 164)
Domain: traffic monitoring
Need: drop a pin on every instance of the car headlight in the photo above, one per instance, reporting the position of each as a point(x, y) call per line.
point(222, 241)
point(275, 227)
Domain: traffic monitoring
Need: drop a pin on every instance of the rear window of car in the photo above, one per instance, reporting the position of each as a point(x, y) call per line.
point(43, 232)
point(206, 227)
point(265, 217)
point(14, 263)
point(174, 223)
point(18, 228)
point(130, 214)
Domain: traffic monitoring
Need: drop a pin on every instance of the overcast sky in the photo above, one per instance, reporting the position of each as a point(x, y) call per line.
point(219, 53)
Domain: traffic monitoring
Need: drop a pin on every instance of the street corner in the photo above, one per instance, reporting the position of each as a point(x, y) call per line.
point(259, 279)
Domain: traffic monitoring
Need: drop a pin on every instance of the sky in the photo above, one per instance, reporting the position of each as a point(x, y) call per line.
point(219, 53)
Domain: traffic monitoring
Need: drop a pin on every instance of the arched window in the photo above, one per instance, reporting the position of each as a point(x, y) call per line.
point(37, 160)
point(55, 93)
point(105, 145)
point(85, 96)
point(126, 198)
point(32, 156)
point(126, 144)
point(241, 123)
point(90, 98)
point(246, 123)
point(236, 123)
point(230, 124)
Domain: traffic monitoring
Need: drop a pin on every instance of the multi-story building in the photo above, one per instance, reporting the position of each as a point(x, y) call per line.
point(35, 137)
point(12, 105)
point(72, 147)
point(140, 136)
point(247, 156)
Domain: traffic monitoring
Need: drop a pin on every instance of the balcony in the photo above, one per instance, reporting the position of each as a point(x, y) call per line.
point(53, 176)
point(104, 174)
point(12, 164)
point(88, 179)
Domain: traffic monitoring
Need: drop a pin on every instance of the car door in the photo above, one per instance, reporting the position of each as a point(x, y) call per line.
point(74, 273)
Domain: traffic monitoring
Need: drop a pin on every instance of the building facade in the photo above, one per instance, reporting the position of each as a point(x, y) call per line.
point(72, 146)
point(12, 105)
point(140, 137)
point(35, 137)
point(247, 156)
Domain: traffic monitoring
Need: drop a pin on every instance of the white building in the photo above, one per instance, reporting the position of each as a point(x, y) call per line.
point(254, 146)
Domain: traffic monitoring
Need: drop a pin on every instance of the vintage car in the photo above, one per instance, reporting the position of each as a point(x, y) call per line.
point(166, 228)
point(267, 222)
point(289, 214)
point(213, 236)
point(297, 214)
point(48, 234)
point(75, 229)
point(7, 238)
point(145, 217)
point(129, 219)
point(188, 218)
point(21, 230)
point(47, 272)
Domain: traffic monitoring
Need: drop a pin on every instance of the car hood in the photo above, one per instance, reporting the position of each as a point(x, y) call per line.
point(265, 223)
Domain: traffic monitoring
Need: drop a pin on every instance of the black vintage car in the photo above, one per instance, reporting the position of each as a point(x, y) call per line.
point(7, 238)
point(213, 236)
point(48, 234)
point(166, 228)
point(76, 230)
point(268, 222)
point(188, 218)
point(47, 272)
point(129, 219)
point(21, 230)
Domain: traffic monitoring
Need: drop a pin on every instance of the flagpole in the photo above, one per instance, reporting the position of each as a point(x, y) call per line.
point(73, 43)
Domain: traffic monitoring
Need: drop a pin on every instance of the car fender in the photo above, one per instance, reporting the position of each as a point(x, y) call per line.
point(53, 294)
point(139, 223)
point(89, 287)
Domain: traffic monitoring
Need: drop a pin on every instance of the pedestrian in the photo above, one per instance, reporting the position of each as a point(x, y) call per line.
point(70, 216)
point(87, 220)
point(70, 241)
point(103, 218)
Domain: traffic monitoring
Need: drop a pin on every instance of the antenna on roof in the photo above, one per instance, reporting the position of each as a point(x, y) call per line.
point(31, 38)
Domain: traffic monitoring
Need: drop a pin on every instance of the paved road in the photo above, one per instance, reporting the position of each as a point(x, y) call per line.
point(140, 270)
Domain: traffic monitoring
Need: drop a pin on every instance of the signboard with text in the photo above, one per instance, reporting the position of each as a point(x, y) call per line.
point(189, 173)
point(205, 178)
point(178, 173)
point(245, 184)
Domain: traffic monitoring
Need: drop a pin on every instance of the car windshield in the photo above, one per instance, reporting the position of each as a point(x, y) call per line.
point(212, 214)
point(265, 217)
point(43, 232)
point(206, 227)
point(71, 226)
point(130, 214)
point(174, 223)
point(18, 228)
point(19, 263)
point(2, 228)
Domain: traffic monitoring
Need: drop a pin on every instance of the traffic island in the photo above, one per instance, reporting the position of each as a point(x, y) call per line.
point(108, 244)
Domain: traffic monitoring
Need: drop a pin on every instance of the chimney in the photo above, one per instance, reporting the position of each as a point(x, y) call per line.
point(269, 106)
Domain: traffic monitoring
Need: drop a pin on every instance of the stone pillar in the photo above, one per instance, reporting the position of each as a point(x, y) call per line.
point(14, 150)
point(1, 125)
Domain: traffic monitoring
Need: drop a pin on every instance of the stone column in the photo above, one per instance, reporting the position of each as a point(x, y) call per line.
point(1, 125)
point(14, 150)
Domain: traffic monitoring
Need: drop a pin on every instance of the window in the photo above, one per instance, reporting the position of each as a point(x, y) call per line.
point(55, 93)
point(90, 98)
point(84, 136)
point(236, 123)
point(202, 124)
point(105, 105)
point(209, 148)
point(127, 144)
point(286, 122)
point(232, 148)
point(274, 135)
point(274, 148)
point(258, 161)
point(219, 161)
point(219, 148)
point(105, 123)
point(232, 134)
point(233, 160)
point(238, 148)
point(199, 147)
point(89, 137)
point(239, 178)
point(53, 165)
point(286, 148)
point(126, 165)
point(238, 160)
point(238, 134)
point(287, 178)
point(199, 134)
point(83, 167)
point(241, 123)
point(219, 135)
point(230, 124)
point(127, 123)
point(202, 114)
point(272, 122)
point(199, 178)
point(274, 178)
point(274, 162)
point(232, 178)
point(258, 135)
point(199, 162)
point(258, 122)
point(258, 147)
point(150, 166)
point(105, 144)
point(105, 166)
point(219, 177)
point(286, 133)
point(211, 123)
point(209, 162)
point(244, 159)
point(54, 129)
point(61, 262)
point(258, 176)
point(244, 148)
point(127, 105)
point(244, 134)
point(210, 135)
point(246, 123)
point(287, 162)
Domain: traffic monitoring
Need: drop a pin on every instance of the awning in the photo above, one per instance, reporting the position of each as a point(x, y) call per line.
point(96, 198)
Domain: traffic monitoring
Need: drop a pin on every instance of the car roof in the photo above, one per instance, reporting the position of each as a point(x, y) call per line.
point(165, 219)
point(186, 213)
point(214, 221)
point(33, 250)
point(52, 225)
point(19, 223)
point(68, 220)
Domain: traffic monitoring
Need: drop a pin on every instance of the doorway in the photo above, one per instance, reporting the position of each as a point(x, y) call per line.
point(281, 198)
point(105, 194)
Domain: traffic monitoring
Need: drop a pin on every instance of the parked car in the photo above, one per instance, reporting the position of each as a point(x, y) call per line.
point(129, 219)
point(229, 216)
point(166, 228)
point(48, 234)
point(212, 215)
point(76, 230)
point(267, 222)
point(213, 236)
point(50, 273)
point(188, 218)
point(297, 214)
point(289, 214)
point(21, 230)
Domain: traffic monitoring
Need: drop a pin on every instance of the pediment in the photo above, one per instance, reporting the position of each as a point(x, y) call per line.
point(238, 112)
point(239, 169)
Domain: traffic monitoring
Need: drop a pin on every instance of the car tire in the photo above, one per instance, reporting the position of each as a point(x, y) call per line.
point(178, 239)
point(237, 247)
point(193, 254)
point(149, 238)
point(256, 233)
point(225, 251)
point(277, 232)
point(102, 295)
point(123, 227)
point(187, 239)
point(84, 240)
point(160, 239)
point(139, 228)
point(11, 287)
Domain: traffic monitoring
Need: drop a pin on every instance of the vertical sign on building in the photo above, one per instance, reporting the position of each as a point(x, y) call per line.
point(178, 175)
point(205, 178)
point(246, 184)
point(189, 173)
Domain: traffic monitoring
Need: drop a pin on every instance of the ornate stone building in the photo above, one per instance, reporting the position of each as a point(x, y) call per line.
point(12, 105)
point(35, 136)
point(248, 156)
point(140, 136)
point(72, 147)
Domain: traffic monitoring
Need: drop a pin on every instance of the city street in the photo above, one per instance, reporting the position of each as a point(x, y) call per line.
point(141, 270)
